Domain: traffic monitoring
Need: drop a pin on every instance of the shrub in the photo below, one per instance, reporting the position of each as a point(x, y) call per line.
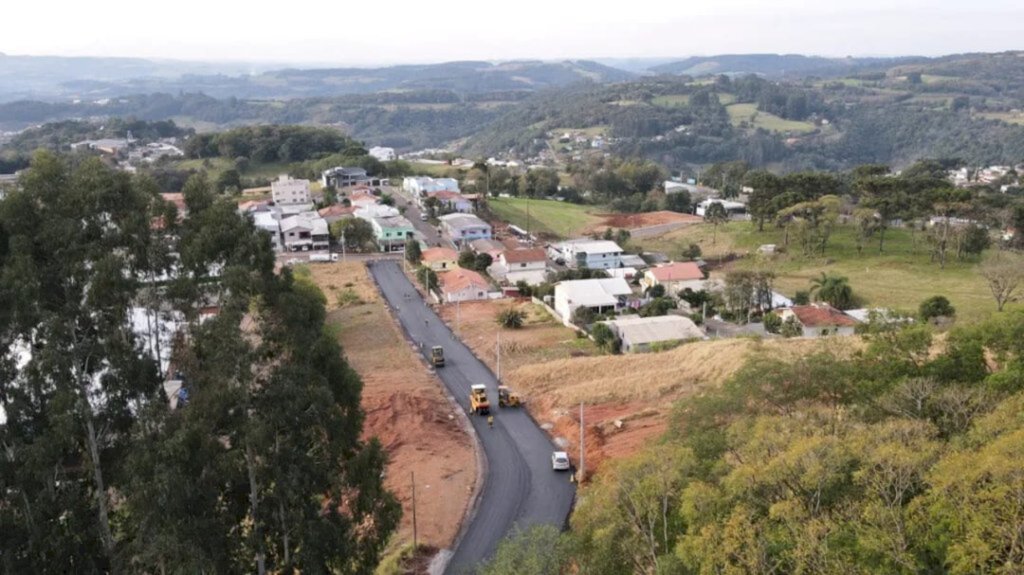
point(935, 307)
point(511, 318)
point(772, 322)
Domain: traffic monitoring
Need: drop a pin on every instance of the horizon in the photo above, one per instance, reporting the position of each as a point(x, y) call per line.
point(533, 30)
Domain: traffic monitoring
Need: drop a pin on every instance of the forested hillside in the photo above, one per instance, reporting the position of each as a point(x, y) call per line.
point(901, 457)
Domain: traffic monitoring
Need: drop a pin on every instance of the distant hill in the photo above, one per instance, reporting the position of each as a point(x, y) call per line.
point(55, 78)
point(772, 65)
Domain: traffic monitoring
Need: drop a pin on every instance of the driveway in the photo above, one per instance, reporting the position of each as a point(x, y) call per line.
point(519, 486)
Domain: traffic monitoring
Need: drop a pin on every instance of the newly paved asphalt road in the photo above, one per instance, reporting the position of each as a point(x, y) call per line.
point(519, 487)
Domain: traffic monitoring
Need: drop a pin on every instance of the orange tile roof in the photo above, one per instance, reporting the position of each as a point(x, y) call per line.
point(440, 254)
point(336, 210)
point(821, 315)
point(460, 279)
point(679, 271)
point(524, 256)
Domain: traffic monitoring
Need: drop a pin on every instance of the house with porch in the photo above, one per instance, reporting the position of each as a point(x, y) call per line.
point(440, 259)
point(819, 320)
point(675, 277)
point(600, 295)
point(587, 253)
point(462, 285)
point(391, 233)
point(305, 231)
point(464, 228)
point(526, 265)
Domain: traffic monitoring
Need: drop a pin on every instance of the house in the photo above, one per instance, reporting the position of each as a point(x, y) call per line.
point(820, 319)
point(736, 210)
point(526, 265)
point(305, 231)
point(440, 259)
point(586, 253)
point(492, 248)
point(111, 146)
point(462, 285)
point(463, 228)
point(267, 222)
point(640, 334)
point(675, 277)
point(178, 199)
point(600, 295)
point(421, 186)
point(452, 201)
point(382, 154)
point(342, 177)
point(391, 232)
point(288, 191)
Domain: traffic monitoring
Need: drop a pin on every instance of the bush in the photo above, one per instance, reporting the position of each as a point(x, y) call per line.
point(772, 322)
point(604, 337)
point(583, 316)
point(656, 291)
point(935, 307)
point(802, 298)
point(790, 328)
point(511, 318)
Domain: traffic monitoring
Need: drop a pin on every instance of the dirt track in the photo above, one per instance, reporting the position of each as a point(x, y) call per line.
point(405, 408)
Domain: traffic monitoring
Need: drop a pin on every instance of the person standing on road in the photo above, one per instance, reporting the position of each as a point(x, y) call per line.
point(490, 421)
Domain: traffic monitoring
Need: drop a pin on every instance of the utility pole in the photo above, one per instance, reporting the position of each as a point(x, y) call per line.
point(499, 355)
point(579, 479)
point(414, 545)
point(342, 244)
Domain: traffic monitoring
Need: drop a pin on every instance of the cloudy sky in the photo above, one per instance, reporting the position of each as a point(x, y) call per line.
point(395, 31)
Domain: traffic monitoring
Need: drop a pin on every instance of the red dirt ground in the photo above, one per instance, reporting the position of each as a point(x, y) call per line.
point(644, 220)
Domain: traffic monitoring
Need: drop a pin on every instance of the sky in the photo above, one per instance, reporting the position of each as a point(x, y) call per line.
point(399, 31)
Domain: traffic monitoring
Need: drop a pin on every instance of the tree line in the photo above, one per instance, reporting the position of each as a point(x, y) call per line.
point(106, 294)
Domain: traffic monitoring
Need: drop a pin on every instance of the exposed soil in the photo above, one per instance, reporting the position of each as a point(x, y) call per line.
point(644, 220)
point(405, 408)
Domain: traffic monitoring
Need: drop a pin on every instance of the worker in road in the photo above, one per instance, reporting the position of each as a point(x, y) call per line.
point(490, 421)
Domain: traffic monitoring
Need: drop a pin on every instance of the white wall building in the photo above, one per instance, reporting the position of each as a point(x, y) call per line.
point(592, 254)
point(382, 154)
point(601, 295)
point(422, 185)
point(639, 334)
point(287, 191)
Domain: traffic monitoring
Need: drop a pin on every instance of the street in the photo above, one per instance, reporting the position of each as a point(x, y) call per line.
point(519, 487)
point(412, 213)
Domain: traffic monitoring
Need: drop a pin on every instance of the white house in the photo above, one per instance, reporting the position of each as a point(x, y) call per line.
point(288, 191)
point(464, 228)
point(639, 334)
point(675, 277)
point(452, 201)
point(462, 285)
point(601, 295)
point(820, 319)
point(527, 265)
point(422, 185)
point(382, 154)
point(267, 221)
point(586, 253)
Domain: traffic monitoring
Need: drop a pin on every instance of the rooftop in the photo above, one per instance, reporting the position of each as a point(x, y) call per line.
point(675, 272)
point(464, 221)
point(439, 255)
point(821, 315)
point(600, 292)
point(591, 246)
point(639, 330)
point(459, 279)
point(524, 256)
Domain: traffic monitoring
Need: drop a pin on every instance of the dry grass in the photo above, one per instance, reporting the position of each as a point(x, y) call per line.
point(655, 376)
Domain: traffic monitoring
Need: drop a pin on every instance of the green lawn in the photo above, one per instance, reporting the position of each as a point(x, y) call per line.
point(561, 219)
point(900, 278)
point(749, 113)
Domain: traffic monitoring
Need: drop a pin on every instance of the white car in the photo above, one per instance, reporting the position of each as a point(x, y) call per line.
point(560, 461)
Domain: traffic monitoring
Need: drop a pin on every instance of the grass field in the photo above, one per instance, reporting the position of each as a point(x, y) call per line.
point(218, 165)
point(551, 217)
point(1008, 117)
point(740, 113)
point(899, 278)
point(434, 170)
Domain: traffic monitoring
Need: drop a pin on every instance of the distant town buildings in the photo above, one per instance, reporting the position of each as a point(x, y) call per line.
point(288, 191)
point(382, 154)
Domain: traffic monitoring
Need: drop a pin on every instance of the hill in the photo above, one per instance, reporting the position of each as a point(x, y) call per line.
point(772, 65)
point(49, 78)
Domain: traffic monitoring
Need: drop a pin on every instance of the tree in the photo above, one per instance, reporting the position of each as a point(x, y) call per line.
point(583, 316)
point(657, 290)
point(833, 289)
point(934, 307)
point(413, 252)
point(467, 260)
point(538, 550)
point(330, 195)
point(715, 214)
point(482, 261)
point(1004, 274)
point(511, 318)
point(604, 337)
point(427, 278)
point(356, 233)
point(229, 181)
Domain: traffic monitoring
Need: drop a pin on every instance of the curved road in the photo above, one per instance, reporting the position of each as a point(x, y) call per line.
point(519, 488)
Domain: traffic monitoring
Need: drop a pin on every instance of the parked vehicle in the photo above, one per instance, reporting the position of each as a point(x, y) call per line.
point(323, 257)
point(560, 461)
point(508, 398)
